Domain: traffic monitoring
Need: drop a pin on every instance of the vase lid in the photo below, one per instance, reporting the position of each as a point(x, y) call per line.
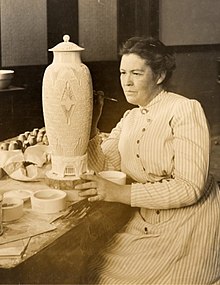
point(66, 45)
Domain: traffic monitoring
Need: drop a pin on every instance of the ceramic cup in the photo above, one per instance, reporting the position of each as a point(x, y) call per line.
point(48, 201)
point(21, 194)
point(114, 176)
point(12, 209)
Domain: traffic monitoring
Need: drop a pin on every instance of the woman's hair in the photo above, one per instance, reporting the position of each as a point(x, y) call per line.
point(158, 56)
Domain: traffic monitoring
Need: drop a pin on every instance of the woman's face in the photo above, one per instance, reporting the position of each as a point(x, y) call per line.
point(139, 83)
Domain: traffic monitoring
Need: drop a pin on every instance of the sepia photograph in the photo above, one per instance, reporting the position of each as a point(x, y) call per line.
point(110, 142)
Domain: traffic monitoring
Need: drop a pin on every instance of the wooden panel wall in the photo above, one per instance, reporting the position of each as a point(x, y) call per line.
point(62, 18)
point(98, 29)
point(137, 18)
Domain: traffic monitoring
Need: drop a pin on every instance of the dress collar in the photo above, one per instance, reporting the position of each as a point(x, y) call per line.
point(145, 109)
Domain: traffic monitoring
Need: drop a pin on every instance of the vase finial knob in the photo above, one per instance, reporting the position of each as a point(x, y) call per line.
point(66, 38)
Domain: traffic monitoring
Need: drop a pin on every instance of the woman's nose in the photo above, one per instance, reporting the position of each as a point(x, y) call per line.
point(128, 80)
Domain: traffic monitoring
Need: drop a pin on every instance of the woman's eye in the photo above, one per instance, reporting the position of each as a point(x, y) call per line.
point(137, 73)
point(122, 72)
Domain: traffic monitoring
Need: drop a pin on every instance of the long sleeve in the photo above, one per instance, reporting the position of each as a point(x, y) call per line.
point(190, 143)
point(96, 158)
point(105, 155)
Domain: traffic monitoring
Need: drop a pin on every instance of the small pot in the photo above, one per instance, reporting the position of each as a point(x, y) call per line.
point(12, 209)
point(5, 78)
point(48, 201)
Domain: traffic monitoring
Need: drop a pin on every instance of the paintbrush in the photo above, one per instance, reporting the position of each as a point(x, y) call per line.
point(110, 99)
point(96, 93)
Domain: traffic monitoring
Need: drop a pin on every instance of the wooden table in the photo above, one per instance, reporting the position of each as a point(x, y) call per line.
point(59, 256)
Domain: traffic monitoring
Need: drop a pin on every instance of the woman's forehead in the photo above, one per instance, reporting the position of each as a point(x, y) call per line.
point(132, 61)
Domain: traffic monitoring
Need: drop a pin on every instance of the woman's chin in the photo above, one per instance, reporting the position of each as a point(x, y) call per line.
point(131, 100)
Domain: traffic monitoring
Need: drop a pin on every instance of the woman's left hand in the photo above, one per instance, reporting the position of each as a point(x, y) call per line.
point(97, 188)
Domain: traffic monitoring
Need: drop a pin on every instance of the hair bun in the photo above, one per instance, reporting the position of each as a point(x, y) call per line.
point(170, 62)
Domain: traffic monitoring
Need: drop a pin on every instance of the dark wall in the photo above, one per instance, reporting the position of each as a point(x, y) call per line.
point(194, 77)
point(61, 20)
point(105, 76)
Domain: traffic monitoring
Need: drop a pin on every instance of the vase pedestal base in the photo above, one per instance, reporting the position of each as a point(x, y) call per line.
point(66, 183)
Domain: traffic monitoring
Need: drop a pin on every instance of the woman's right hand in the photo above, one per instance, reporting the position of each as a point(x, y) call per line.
point(98, 102)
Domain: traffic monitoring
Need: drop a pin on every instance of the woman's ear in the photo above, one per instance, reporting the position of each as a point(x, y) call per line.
point(161, 77)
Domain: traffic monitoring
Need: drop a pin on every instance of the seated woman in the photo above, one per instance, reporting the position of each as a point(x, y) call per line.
point(163, 145)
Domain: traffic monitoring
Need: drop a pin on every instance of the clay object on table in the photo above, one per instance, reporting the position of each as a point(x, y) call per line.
point(67, 108)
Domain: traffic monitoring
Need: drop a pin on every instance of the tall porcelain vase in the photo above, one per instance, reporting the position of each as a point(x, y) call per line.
point(67, 108)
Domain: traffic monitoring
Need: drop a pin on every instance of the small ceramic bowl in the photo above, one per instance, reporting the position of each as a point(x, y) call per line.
point(21, 194)
point(48, 201)
point(12, 209)
point(5, 78)
point(114, 176)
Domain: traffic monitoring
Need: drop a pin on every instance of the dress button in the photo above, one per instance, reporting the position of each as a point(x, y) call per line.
point(138, 141)
point(146, 230)
point(144, 111)
point(137, 155)
point(157, 212)
point(143, 130)
point(144, 169)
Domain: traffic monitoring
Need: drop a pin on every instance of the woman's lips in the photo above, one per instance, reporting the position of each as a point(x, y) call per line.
point(129, 92)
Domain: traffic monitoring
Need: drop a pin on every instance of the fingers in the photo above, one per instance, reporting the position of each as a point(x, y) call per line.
point(90, 177)
point(86, 185)
point(98, 97)
point(88, 192)
point(89, 189)
point(98, 197)
point(91, 193)
point(98, 93)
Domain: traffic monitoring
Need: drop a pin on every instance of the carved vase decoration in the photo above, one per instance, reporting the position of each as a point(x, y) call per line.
point(67, 96)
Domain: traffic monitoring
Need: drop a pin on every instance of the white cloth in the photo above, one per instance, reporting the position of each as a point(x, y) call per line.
point(175, 237)
point(37, 158)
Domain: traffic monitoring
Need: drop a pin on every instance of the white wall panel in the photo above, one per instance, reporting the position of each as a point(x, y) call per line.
point(98, 29)
point(23, 32)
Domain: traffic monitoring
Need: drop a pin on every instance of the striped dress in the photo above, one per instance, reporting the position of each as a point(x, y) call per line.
point(174, 235)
